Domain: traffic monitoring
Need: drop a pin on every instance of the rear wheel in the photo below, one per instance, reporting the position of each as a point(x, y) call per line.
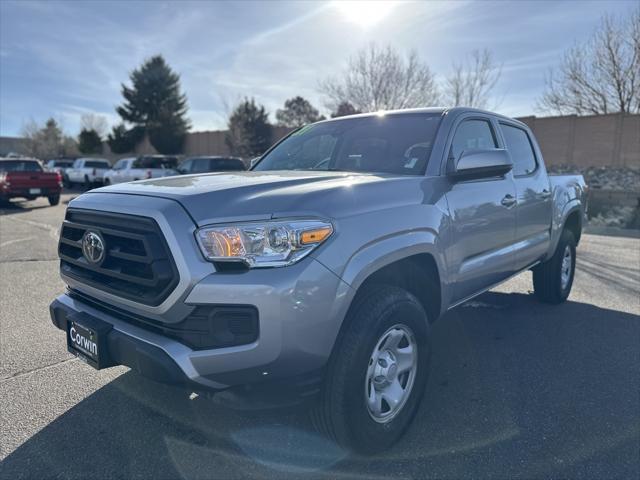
point(87, 183)
point(54, 199)
point(553, 279)
point(107, 182)
point(378, 371)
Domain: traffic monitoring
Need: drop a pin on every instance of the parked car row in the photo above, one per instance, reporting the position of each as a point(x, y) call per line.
point(90, 172)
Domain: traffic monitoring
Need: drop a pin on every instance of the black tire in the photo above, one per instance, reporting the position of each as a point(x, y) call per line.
point(548, 285)
point(107, 182)
point(87, 183)
point(54, 200)
point(342, 413)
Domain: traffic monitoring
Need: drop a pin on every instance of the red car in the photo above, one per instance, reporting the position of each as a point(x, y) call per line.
point(25, 178)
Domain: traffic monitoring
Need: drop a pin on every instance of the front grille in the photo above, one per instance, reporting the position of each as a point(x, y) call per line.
point(137, 264)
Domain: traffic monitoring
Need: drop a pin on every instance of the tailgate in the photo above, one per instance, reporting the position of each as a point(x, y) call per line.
point(32, 179)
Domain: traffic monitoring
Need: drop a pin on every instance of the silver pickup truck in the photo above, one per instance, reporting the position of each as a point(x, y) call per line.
point(319, 272)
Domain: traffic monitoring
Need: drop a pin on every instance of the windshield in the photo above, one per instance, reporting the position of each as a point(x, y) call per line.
point(20, 166)
point(398, 144)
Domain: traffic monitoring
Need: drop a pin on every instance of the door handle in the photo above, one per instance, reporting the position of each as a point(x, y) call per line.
point(545, 193)
point(508, 201)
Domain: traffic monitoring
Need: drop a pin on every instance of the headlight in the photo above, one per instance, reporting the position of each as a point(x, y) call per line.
point(264, 244)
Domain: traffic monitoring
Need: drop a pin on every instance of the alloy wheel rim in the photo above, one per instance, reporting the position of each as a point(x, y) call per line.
point(391, 373)
point(565, 269)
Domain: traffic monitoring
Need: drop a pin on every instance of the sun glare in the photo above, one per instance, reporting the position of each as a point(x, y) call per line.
point(364, 13)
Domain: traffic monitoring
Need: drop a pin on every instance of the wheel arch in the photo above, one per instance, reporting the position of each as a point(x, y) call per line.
point(573, 223)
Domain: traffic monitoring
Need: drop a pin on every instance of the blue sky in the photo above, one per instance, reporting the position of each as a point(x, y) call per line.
point(63, 59)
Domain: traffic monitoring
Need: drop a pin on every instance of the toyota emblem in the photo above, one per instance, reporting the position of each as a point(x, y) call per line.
point(93, 247)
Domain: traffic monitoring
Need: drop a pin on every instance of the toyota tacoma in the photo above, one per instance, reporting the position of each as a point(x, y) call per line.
point(322, 269)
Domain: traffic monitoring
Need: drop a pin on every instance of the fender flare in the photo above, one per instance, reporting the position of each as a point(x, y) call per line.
point(559, 222)
point(380, 253)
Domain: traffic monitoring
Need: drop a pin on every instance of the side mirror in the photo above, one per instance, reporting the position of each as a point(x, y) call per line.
point(482, 164)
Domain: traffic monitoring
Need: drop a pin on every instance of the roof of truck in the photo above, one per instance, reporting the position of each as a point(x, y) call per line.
point(432, 110)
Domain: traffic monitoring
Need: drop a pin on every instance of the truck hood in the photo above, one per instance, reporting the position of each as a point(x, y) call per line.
point(245, 196)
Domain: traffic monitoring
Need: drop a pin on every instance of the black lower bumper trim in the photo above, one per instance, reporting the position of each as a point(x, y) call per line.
point(122, 349)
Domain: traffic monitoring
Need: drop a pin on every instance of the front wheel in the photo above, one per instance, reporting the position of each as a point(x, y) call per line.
point(378, 371)
point(553, 279)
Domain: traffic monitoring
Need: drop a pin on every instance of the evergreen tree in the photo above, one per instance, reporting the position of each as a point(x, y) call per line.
point(89, 142)
point(249, 130)
point(344, 108)
point(296, 113)
point(121, 140)
point(155, 104)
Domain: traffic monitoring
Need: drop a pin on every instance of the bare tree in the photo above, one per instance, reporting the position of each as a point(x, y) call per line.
point(471, 82)
point(382, 79)
point(601, 75)
point(97, 123)
point(48, 141)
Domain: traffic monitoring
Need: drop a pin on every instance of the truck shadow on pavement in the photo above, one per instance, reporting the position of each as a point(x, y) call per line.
point(517, 389)
point(10, 208)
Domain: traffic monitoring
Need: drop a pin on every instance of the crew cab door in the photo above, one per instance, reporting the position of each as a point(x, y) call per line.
point(483, 218)
point(128, 172)
point(75, 174)
point(118, 174)
point(533, 191)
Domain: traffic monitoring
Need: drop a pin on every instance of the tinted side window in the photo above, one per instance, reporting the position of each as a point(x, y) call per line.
point(156, 162)
point(185, 167)
point(473, 135)
point(95, 164)
point(226, 164)
point(519, 146)
point(19, 166)
point(200, 165)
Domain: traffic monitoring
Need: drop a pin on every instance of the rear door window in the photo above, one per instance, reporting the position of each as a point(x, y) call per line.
point(473, 135)
point(519, 146)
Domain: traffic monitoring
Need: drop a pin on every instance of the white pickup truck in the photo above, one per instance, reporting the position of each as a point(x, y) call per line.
point(141, 168)
point(87, 171)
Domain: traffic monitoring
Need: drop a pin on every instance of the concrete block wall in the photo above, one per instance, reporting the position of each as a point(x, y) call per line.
point(588, 141)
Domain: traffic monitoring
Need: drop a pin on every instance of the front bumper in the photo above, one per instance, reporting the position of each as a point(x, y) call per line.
point(123, 349)
point(297, 319)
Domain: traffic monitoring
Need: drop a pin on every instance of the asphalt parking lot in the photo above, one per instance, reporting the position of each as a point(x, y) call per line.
point(517, 389)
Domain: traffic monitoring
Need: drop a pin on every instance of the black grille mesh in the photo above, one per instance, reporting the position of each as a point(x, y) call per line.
point(137, 264)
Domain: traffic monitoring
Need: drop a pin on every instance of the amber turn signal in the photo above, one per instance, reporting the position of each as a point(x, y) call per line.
point(315, 236)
